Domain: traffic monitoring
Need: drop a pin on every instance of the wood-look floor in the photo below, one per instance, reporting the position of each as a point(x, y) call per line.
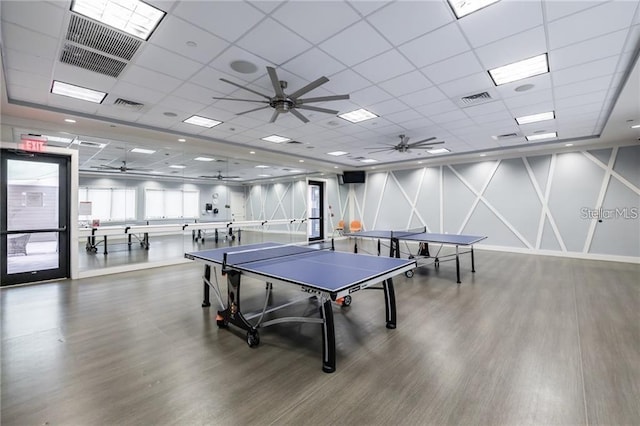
point(526, 340)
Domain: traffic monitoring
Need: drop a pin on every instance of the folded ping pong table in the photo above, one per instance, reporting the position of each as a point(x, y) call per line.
point(423, 237)
point(319, 272)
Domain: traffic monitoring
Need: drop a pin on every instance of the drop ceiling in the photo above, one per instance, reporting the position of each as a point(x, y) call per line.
point(410, 63)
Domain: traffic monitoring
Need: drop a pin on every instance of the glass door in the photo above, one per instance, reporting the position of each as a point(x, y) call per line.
point(34, 217)
point(315, 207)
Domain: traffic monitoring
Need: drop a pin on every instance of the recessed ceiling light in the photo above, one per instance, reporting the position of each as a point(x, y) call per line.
point(243, 67)
point(202, 121)
point(335, 167)
point(534, 118)
point(438, 151)
point(143, 151)
point(69, 120)
point(637, 126)
point(177, 166)
point(368, 160)
point(520, 70)
point(264, 175)
point(358, 115)
point(300, 161)
point(337, 153)
point(261, 166)
point(524, 87)
point(483, 155)
point(464, 7)
point(204, 159)
point(275, 139)
point(133, 17)
point(182, 140)
point(252, 152)
point(72, 91)
point(542, 136)
point(295, 171)
point(169, 114)
point(569, 144)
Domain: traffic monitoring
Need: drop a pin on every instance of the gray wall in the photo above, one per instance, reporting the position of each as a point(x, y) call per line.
point(541, 204)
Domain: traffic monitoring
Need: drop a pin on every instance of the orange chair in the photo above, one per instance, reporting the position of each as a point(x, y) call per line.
point(355, 226)
point(340, 228)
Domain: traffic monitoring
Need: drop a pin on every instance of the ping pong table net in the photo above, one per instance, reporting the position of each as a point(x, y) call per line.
point(408, 232)
point(244, 257)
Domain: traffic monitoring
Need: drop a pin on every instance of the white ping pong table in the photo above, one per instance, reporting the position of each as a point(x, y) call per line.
point(423, 237)
point(319, 272)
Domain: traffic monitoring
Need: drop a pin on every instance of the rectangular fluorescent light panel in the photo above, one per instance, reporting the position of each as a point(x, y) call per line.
point(534, 118)
point(337, 153)
point(262, 167)
point(82, 93)
point(520, 70)
point(58, 139)
point(542, 136)
point(637, 126)
point(358, 115)
point(204, 159)
point(464, 7)
point(438, 151)
point(202, 121)
point(368, 160)
point(143, 151)
point(276, 139)
point(176, 166)
point(131, 16)
point(264, 175)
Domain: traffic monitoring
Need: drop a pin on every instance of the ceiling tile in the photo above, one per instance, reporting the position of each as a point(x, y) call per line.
point(378, 69)
point(313, 63)
point(402, 21)
point(136, 93)
point(355, 44)
point(39, 82)
point(147, 78)
point(316, 20)
point(585, 99)
point(606, 18)
point(511, 49)
point(370, 96)
point(500, 20)
point(539, 82)
point(422, 97)
point(27, 93)
point(166, 62)
point(271, 40)
point(429, 48)
point(580, 87)
point(437, 107)
point(453, 68)
point(44, 18)
point(560, 9)
point(346, 81)
point(174, 33)
point(526, 99)
point(599, 68)
point(587, 51)
point(406, 83)
point(365, 8)
point(17, 60)
point(469, 85)
point(226, 19)
point(29, 41)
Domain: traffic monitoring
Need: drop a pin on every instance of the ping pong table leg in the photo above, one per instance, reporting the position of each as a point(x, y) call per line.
point(207, 278)
point(328, 338)
point(390, 303)
point(473, 265)
point(105, 245)
point(458, 265)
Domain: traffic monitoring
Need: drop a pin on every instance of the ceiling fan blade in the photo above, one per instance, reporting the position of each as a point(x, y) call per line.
point(422, 141)
point(309, 87)
point(274, 116)
point(251, 110)
point(245, 88)
point(322, 99)
point(300, 116)
point(238, 99)
point(275, 82)
point(312, 108)
point(423, 144)
point(383, 144)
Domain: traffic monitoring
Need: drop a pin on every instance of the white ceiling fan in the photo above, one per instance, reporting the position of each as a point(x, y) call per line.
point(220, 176)
point(122, 168)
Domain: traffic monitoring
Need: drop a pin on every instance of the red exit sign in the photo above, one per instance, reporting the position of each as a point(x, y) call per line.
point(32, 143)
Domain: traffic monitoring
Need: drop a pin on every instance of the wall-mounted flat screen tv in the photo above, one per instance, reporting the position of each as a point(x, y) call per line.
point(357, 176)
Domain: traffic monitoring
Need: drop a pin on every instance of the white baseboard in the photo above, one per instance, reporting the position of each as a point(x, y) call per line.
point(568, 254)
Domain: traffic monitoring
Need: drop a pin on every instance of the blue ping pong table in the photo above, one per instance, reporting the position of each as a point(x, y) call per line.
point(319, 272)
point(424, 238)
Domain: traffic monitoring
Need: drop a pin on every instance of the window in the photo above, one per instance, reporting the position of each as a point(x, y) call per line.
point(110, 204)
point(171, 204)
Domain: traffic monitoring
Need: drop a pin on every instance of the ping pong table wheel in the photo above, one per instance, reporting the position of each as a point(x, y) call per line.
point(409, 274)
point(253, 338)
point(346, 301)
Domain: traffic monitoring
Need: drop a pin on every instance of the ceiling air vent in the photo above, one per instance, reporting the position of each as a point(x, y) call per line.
point(507, 136)
point(476, 98)
point(295, 142)
point(92, 61)
point(100, 37)
point(91, 144)
point(123, 103)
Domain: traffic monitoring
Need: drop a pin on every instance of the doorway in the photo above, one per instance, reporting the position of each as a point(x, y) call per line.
point(35, 218)
point(315, 211)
